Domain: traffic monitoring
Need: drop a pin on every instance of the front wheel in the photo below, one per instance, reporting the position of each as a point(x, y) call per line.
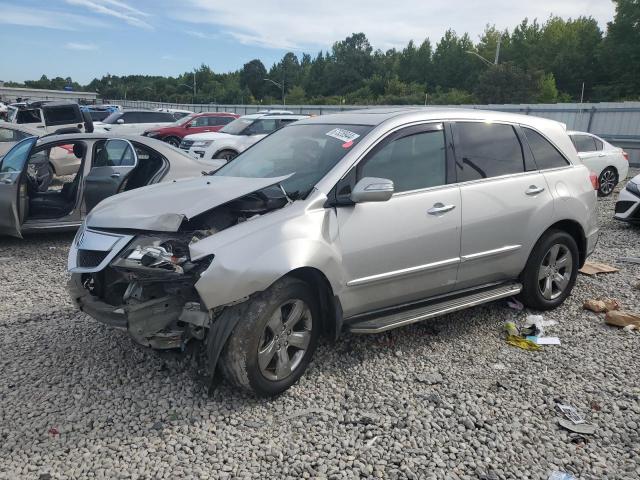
point(551, 271)
point(608, 180)
point(273, 343)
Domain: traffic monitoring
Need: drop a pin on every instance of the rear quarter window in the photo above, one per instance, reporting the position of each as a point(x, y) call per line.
point(544, 153)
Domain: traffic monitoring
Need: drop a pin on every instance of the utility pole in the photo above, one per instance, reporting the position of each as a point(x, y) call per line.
point(194, 86)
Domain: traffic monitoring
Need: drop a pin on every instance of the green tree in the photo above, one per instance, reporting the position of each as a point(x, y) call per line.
point(620, 52)
point(252, 77)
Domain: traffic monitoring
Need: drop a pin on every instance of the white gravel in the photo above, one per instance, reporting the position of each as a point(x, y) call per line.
point(445, 399)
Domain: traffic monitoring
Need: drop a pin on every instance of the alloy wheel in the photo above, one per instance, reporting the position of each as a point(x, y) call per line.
point(285, 340)
point(608, 182)
point(554, 274)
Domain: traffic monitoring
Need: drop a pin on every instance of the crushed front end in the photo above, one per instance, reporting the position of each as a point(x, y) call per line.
point(143, 284)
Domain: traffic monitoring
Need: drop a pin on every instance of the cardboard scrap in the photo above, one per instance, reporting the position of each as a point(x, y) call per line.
point(593, 268)
point(622, 319)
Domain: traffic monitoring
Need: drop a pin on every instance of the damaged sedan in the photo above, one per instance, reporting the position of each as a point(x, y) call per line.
point(51, 183)
point(360, 221)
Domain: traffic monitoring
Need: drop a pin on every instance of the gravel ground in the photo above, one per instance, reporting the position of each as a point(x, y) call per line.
point(445, 399)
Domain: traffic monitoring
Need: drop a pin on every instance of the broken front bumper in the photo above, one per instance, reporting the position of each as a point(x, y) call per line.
point(151, 323)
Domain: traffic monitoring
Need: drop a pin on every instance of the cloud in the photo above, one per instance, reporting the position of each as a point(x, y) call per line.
point(292, 24)
point(80, 46)
point(38, 17)
point(202, 35)
point(115, 9)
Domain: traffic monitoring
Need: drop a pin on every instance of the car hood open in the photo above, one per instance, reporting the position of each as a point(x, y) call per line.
point(163, 207)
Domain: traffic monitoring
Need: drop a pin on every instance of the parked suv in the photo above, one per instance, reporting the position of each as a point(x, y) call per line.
point(362, 221)
point(237, 136)
point(52, 117)
point(134, 122)
point(194, 123)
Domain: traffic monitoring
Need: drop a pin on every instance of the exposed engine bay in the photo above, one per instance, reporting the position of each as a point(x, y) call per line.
point(150, 283)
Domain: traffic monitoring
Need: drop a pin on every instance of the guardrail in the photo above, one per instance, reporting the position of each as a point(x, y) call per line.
point(618, 123)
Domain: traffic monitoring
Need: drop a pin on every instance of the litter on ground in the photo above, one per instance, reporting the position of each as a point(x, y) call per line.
point(603, 305)
point(593, 268)
point(622, 319)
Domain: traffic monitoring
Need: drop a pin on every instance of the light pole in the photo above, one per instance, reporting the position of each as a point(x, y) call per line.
point(280, 85)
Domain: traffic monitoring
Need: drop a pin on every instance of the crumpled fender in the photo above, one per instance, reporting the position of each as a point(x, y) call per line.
point(249, 257)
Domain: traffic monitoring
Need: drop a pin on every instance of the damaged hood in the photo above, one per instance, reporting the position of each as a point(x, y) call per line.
point(163, 207)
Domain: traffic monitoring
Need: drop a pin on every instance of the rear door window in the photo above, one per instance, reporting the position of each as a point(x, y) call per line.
point(61, 115)
point(114, 153)
point(584, 143)
point(486, 150)
point(545, 154)
point(412, 162)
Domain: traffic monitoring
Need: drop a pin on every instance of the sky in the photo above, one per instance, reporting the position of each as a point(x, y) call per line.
point(84, 39)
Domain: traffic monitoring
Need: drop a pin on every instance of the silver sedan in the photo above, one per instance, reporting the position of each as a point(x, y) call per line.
point(34, 198)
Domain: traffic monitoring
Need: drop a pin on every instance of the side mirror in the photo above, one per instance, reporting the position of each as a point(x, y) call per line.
point(120, 121)
point(371, 189)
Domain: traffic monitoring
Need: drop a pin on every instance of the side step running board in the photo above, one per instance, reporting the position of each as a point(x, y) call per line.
point(406, 317)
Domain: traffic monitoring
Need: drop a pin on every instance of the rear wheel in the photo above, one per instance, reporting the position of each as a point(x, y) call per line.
point(270, 348)
point(226, 155)
point(608, 180)
point(551, 271)
point(175, 141)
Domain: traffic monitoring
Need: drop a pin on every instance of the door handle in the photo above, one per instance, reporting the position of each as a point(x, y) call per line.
point(602, 154)
point(439, 208)
point(533, 190)
point(115, 174)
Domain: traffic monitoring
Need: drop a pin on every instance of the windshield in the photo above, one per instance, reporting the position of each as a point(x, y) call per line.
point(306, 151)
point(186, 119)
point(237, 126)
point(113, 118)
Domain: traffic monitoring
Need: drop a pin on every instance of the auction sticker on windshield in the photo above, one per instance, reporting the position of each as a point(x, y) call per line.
point(346, 136)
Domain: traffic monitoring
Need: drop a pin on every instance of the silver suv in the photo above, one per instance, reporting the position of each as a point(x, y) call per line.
point(362, 221)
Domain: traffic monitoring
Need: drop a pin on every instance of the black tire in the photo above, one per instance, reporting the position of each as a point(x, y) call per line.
point(537, 274)
point(227, 155)
point(607, 181)
point(175, 141)
point(239, 361)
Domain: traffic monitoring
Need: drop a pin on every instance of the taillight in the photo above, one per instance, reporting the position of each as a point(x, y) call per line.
point(594, 180)
point(625, 155)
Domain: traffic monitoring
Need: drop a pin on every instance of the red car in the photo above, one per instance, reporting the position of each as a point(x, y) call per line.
point(194, 123)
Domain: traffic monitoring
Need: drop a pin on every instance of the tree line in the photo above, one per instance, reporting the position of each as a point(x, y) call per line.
point(555, 61)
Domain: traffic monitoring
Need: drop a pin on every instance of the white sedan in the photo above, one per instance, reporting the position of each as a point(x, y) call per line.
point(610, 163)
point(628, 204)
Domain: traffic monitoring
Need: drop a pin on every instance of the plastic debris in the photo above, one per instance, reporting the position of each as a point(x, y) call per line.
point(515, 304)
point(522, 343)
point(54, 431)
point(575, 422)
point(558, 475)
point(618, 318)
point(593, 268)
point(571, 413)
point(581, 428)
